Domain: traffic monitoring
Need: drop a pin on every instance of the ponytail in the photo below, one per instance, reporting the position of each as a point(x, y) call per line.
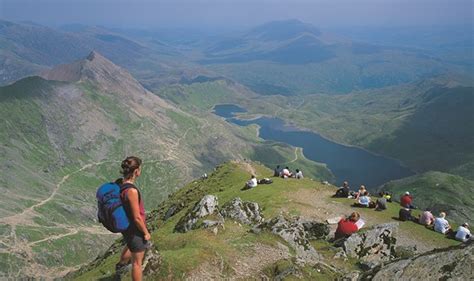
point(129, 165)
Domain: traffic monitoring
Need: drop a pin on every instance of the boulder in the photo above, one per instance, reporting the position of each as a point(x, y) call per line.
point(205, 207)
point(316, 230)
point(374, 246)
point(151, 261)
point(453, 263)
point(242, 211)
point(293, 231)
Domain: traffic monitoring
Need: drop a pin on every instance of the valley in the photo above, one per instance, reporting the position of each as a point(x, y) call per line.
point(75, 100)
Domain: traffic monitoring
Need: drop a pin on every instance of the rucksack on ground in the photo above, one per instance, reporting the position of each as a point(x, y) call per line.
point(110, 210)
point(265, 181)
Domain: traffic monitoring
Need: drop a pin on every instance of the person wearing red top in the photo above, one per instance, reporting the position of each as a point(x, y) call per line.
point(347, 226)
point(406, 201)
point(137, 237)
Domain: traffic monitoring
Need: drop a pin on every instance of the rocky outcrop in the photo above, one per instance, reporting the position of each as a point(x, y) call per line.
point(242, 211)
point(374, 246)
point(454, 263)
point(208, 205)
point(298, 233)
point(152, 261)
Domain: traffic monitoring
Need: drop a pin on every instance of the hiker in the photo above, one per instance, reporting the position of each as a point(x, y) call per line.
point(363, 201)
point(277, 171)
point(405, 215)
point(137, 237)
point(343, 191)
point(381, 203)
point(426, 218)
point(361, 192)
point(406, 201)
point(299, 174)
point(252, 182)
point(441, 225)
point(285, 173)
point(347, 226)
point(387, 196)
point(463, 234)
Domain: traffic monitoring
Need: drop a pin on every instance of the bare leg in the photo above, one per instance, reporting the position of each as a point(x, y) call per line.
point(137, 259)
point(126, 256)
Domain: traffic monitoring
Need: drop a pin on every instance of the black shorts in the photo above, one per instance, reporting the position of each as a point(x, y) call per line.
point(135, 240)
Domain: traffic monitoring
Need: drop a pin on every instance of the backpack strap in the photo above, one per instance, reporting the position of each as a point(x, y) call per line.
point(125, 187)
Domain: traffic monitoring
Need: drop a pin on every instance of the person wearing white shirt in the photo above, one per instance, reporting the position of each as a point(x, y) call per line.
point(285, 173)
point(463, 234)
point(299, 174)
point(252, 182)
point(441, 225)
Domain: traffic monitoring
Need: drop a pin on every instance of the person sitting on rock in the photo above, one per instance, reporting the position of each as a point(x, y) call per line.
point(277, 171)
point(285, 173)
point(405, 215)
point(463, 234)
point(299, 174)
point(347, 226)
point(343, 191)
point(252, 182)
point(406, 201)
point(426, 218)
point(441, 224)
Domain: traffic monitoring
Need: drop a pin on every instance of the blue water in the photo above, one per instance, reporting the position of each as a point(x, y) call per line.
point(353, 164)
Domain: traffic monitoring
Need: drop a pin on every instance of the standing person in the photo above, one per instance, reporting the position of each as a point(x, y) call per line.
point(137, 237)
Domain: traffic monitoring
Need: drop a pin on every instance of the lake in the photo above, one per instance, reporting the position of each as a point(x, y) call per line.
point(356, 165)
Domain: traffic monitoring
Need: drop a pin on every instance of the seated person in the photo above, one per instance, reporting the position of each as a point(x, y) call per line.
point(405, 214)
point(277, 171)
point(252, 182)
point(463, 234)
point(285, 173)
point(361, 191)
point(441, 225)
point(363, 201)
point(344, 191)
point(381, 204)
point(387, 196)
point(426, 218)
point(406, 201)
point(347, 226)
point(299, 174)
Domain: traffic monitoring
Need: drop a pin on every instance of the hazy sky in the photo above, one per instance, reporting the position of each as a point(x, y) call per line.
point(228, 13)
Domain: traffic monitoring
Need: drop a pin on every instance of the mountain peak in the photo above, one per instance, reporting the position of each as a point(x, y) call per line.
point(283, 30)
point(96, 69)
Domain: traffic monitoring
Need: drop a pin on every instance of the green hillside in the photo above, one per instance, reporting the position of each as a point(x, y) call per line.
point(234, 251)
point(439, 192)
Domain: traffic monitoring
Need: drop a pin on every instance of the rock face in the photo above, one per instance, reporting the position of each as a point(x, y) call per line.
point(207, 206)
point(242, 211)
point(152, 261)
point(374, 246)
point(298, 234)
point(455, 263)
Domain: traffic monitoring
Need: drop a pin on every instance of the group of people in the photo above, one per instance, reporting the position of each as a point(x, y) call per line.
point(287, 173)
point(347, 226)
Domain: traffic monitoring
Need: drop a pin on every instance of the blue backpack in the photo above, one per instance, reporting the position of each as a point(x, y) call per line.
point(110, 210)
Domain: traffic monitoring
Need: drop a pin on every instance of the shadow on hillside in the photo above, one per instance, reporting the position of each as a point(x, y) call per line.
point(110, 278)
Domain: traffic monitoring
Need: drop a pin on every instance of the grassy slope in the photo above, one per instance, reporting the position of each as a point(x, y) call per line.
point(185, 253)
point(440, 192)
